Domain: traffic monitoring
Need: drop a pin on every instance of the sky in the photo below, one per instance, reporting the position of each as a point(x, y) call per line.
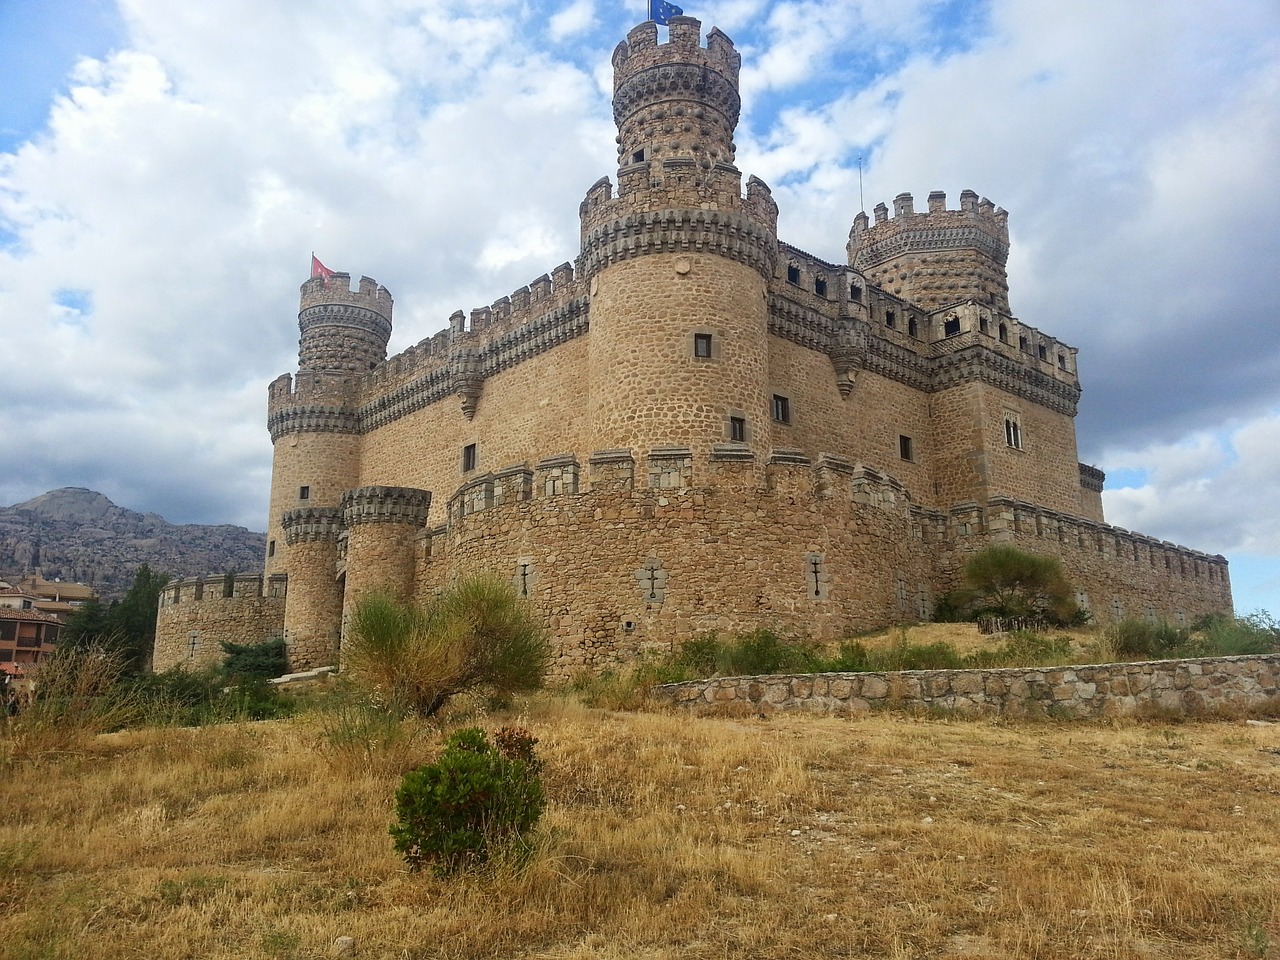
point(167, 169)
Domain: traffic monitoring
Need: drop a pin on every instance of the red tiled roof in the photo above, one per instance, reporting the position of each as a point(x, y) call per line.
point(8, 613)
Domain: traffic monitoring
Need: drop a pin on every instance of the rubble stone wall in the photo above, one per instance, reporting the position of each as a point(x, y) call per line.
point(1175, 687)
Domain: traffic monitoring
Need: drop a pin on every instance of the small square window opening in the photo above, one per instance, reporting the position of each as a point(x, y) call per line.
point(702, 345)
point(738, 429)
point(304, 493)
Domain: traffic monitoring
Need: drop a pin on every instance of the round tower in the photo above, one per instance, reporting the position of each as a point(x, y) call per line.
point(314, 427)
point(937, 258)
point(677, 263)
point(343, 330)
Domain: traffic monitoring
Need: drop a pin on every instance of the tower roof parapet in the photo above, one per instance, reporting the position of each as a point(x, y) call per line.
point(343, 330)
point(937, 256)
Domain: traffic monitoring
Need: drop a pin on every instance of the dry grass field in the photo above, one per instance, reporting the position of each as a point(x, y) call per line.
point(890, 836)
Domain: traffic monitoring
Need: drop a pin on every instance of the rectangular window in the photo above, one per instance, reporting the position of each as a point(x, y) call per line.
point(702, 345)
point(304, 493)
point(738, 429)
point(890, 319)
point(793, 274)
point(855, 293)
point(820, 286)
point(781, 409)
point(469, 457)
point(905, 450)
point(1012, 431)
point(271, 548)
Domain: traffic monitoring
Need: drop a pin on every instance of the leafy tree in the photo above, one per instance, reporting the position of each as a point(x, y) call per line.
point(127, 627)
point(1007, 582)
point(476, 635)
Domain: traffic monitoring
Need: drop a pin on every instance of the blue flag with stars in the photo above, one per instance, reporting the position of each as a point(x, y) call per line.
point(661, 12)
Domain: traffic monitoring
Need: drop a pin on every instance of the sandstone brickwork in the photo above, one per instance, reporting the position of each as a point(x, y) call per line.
point(695, 426)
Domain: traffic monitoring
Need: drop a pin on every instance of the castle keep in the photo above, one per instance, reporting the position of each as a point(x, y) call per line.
point(694, 426)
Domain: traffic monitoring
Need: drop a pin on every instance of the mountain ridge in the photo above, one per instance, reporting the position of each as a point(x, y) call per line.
point(78, 534)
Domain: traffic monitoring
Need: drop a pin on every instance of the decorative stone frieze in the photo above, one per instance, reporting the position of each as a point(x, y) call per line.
point(405, 505)
point(311, 525)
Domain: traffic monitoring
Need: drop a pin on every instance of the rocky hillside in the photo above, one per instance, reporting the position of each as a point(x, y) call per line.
point(79, 535)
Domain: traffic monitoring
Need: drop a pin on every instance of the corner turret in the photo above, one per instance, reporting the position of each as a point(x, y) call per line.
point(343, 330)
point(936, 258)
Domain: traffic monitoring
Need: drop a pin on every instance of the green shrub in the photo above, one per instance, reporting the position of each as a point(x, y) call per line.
point(265, 660)
point(478, 635)
point(1003, 581)
point(758, 653)
point(1138, 638)
point(477, 800)
point(1024, 648)
point(1220, 635)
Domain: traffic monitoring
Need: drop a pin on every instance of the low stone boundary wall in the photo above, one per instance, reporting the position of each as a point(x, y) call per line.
point(1184, 687)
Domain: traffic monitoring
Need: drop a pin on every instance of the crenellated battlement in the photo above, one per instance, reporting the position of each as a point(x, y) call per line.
point(344, 331)
point(937, 257)
point(220, 587)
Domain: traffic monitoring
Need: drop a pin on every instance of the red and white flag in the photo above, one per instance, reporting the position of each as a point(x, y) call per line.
point(318, 269)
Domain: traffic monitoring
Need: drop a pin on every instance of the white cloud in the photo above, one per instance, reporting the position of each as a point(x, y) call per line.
point(573, 19)
point(1215, 492)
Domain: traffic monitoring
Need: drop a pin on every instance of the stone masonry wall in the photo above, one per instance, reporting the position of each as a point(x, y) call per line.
point(196, 614)
point(1178, 687)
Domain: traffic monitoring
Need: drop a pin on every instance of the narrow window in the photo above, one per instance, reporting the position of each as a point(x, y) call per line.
point(1004, 333)
point(793, 274)
point(1062, 361)
point(638, 157)
point(1024, 345)
point(702, 345)
point(820, 286)
point(913, 328)
point(738, 429)
point(468, 457)
point(781, 409)
point(1012, 432)
point(1043, 352)
point(271, 548)
point(904, 448)
point(304, 493)
point(523, 576)
point(855, 293)
point(890, 319)
point(982, 324)
point(951, 327)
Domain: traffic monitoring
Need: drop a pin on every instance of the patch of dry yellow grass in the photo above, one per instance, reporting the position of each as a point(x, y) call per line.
point(666, 837)
point(966, 638)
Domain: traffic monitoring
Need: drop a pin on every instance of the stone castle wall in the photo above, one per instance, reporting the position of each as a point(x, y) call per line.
point(197, 613)
point(623, 554)
point(1165, 687)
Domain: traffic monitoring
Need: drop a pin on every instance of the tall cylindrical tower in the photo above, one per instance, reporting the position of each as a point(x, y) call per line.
point(936, 258)
point(677, 263)
point(314, 426)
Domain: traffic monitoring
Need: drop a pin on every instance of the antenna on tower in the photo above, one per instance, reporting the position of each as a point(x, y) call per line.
point(862, 204)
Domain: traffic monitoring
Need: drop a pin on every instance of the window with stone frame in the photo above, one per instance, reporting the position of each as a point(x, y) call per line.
point(470, 458)
point(304, 493)
point(906, 448)
point(702, 346)
point(793, 274)
point(738, 429)
point(1012, 430)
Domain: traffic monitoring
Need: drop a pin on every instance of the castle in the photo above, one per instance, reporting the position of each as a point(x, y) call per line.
point(693, 427)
